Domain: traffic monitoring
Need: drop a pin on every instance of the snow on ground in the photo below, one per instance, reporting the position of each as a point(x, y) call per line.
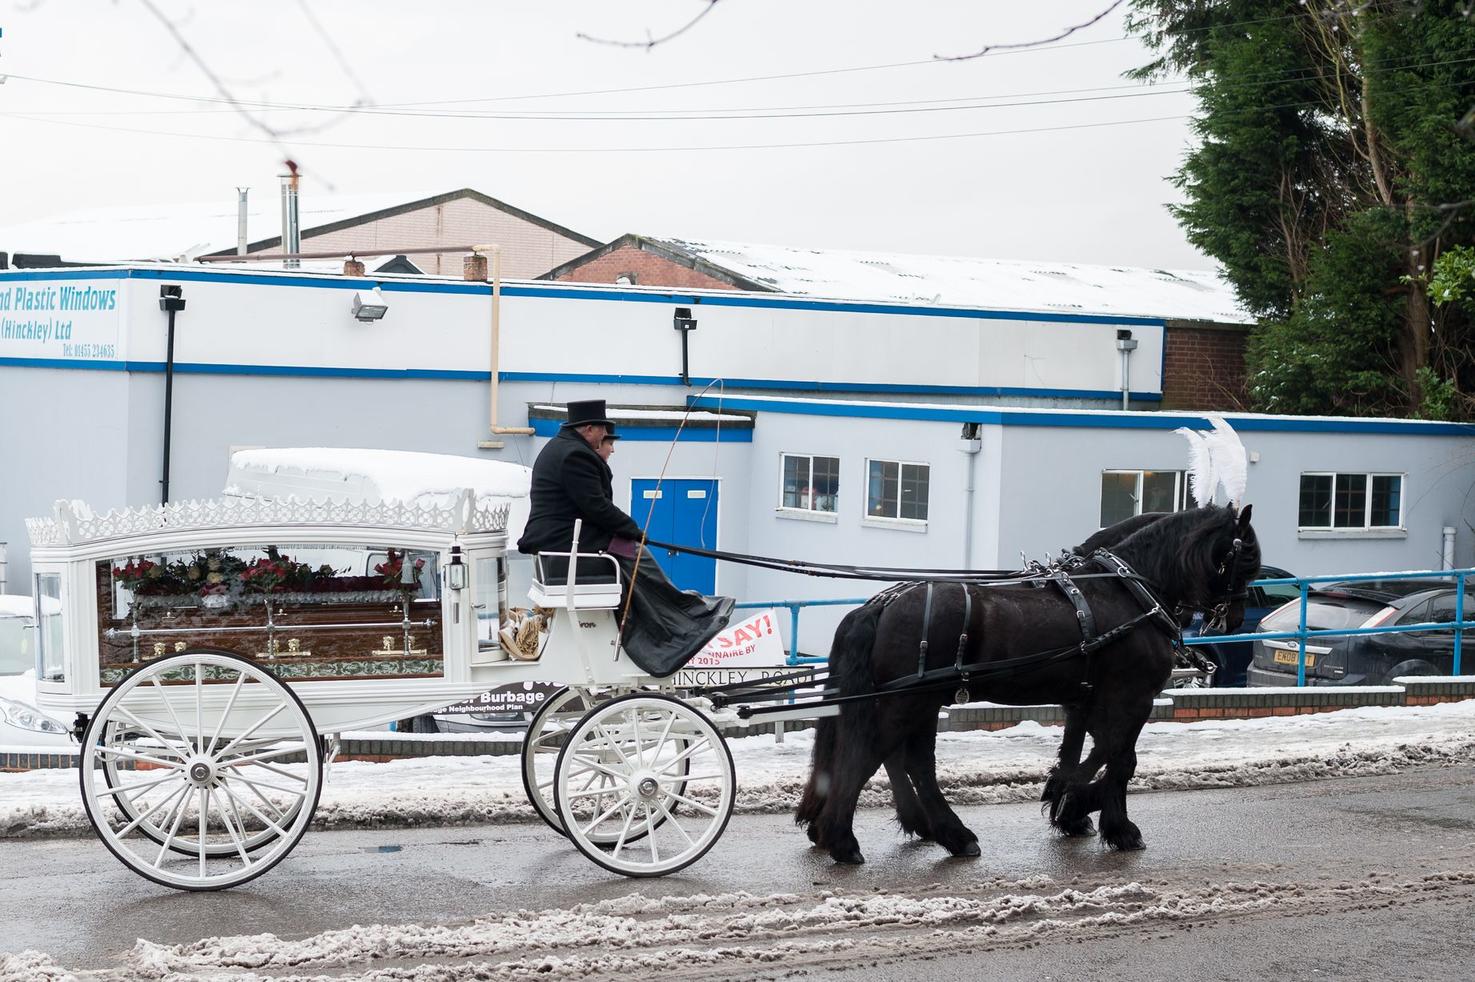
point(976, 767)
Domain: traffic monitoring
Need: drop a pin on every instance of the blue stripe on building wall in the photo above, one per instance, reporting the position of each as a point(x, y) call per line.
point(1119, 421)
point(662, 434)
point(810, 385)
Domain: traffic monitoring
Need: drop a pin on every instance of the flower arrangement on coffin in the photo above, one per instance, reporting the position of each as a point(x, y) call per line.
point(144, 577)
point(275, 573)
point(396, 576)
point(208, 573)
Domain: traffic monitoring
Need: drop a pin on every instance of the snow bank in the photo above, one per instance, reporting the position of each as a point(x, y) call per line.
point(978, 767)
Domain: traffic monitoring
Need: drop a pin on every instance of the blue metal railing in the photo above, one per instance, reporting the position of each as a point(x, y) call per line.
point(1459, 625)
point(793, 607)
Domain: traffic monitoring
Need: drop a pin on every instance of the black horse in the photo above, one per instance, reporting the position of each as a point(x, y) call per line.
point(1199, 559)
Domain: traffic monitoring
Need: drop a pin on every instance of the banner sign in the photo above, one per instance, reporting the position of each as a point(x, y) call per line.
point(66, 320)
point(750, 648)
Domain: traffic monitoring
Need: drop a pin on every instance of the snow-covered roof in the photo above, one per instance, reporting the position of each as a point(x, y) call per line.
point(953, 281)
point(675, 414)
point(176, 231)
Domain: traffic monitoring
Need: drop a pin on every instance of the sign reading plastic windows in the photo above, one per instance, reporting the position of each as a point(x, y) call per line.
point(72, 320)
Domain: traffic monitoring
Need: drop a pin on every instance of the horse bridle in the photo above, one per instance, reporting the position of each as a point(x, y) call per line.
point(1216, 616)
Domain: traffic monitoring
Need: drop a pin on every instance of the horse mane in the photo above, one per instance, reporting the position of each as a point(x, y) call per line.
point(1115, 534)
point(1182, 547)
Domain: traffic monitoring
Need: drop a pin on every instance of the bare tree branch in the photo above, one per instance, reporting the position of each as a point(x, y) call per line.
point(1033, 44)
point(651, 42)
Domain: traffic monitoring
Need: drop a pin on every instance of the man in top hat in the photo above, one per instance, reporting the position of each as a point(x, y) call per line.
point(572, 480)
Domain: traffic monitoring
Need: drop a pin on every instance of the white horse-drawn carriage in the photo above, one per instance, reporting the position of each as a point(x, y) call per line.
point(212, 651)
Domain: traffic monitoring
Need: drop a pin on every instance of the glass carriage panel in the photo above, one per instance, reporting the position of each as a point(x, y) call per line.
point(311, 612)
point(50, 662)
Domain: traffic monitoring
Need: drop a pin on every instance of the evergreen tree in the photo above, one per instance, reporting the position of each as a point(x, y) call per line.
point(1329, 178)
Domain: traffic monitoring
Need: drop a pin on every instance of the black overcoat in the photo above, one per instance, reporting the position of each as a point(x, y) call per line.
point(571, 481)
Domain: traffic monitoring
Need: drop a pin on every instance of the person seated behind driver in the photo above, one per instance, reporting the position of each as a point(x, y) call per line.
point(607, 449)
point(571, 481)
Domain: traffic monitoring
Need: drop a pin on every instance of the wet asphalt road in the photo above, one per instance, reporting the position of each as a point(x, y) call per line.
point(71, 899)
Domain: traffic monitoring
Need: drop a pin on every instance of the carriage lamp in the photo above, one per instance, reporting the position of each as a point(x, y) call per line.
point(456, 571)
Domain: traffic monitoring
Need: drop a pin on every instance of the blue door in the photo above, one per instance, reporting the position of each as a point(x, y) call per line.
point(684, 513)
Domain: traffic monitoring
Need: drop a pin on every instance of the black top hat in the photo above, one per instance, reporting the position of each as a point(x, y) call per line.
point(611, 434)
point(587, 411)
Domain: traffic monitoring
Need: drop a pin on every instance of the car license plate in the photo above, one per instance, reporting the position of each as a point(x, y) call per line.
point(1293, 657)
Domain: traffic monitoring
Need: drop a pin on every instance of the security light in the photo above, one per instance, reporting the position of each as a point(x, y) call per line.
point(369, 306)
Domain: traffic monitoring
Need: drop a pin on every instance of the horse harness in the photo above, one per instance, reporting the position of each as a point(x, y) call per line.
point(1057, 575)
point(1061, 575)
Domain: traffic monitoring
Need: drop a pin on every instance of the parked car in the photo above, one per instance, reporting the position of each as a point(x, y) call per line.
point(1369, 659)
point(1232, 658)
point(21, 723)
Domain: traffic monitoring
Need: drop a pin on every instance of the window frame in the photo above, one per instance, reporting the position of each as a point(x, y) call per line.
point(1366, 528)
point(808, 514)
point(1180, 488)
point(894, 521)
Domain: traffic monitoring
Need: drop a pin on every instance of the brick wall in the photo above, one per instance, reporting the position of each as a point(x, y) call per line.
point(1204, 366)
point(647, 268)
point(528, 250)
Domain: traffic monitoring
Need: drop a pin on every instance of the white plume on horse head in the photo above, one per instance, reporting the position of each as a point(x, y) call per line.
point(1231, 460)
point(1216, 458)
point(1201, 481)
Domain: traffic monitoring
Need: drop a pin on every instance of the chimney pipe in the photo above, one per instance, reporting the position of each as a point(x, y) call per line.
point(291, 231)
point(241, 220)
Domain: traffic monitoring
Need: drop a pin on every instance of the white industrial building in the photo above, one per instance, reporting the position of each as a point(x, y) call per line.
point(842, 431)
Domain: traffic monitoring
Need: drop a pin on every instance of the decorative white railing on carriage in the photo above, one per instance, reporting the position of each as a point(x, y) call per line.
point(73, 523)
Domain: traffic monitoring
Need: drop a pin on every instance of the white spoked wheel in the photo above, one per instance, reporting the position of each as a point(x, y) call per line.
point(547, 733)
point(116, 772)
point(651, 762)
point(201, 771)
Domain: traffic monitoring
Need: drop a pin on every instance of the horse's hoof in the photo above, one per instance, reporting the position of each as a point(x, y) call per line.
point(1076, 829)
point(969, 851)
point(1126, 837)
point(848, 857)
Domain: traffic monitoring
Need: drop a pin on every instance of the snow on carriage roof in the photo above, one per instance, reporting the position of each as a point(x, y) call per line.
point(968, 282)
point(395, 475)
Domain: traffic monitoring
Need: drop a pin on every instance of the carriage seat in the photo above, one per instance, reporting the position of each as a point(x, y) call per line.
point(596, 581)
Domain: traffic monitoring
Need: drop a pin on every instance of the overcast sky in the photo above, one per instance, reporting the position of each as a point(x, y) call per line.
point(1090, 188)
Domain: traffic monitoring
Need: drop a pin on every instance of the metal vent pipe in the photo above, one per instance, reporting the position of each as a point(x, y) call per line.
point(291, 229)
point(241, 239)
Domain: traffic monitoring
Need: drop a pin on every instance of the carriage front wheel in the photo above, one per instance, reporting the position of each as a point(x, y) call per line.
point(548, 731)
point(201, 770)
point(644, 762)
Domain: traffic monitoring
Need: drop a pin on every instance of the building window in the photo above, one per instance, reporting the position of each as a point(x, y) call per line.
point(1128, 493)
point(810, 483)
point(1351, 501)
point(896, 489)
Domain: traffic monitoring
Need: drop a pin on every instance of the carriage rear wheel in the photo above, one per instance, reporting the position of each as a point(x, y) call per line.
point(627, 766)
point(200, 771)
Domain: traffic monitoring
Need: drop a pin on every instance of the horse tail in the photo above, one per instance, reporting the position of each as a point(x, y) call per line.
point(850, 674)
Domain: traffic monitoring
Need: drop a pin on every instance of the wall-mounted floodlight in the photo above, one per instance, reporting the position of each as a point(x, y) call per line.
point(369, 306)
